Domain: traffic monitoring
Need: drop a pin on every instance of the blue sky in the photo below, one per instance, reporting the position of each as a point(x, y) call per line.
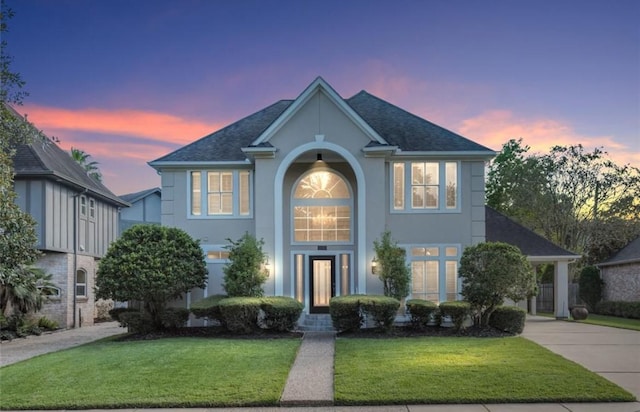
point(129, 81)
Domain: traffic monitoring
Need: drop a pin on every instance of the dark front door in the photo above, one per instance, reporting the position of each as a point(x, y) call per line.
point(322, 282)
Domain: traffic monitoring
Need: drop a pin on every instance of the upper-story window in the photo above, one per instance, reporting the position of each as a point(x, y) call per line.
point(425, 186)
point(92, 208)
point(322, 205)
point(220, 193)
point(83, 206)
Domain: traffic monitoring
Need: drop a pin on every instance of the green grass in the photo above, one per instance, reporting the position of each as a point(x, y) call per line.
point(176, 372)
point(612, 321)
point(461, 370)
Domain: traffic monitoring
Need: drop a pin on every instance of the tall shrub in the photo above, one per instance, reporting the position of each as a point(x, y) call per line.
point(590, 285)
point(245, 275)
point(393, 270)
point(491, 272)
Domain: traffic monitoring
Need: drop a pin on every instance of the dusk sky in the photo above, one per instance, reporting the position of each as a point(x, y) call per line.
point(128, 81)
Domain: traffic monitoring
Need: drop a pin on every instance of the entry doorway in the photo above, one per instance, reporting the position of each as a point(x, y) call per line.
point(322, 282)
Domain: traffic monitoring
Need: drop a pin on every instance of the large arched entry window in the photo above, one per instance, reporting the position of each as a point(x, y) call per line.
point(322, 208)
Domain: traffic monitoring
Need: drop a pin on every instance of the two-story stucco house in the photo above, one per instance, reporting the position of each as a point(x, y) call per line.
point(319, 178)
point(144, 209)
point(77, 219)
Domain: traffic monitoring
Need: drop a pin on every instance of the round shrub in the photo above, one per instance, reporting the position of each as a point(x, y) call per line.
point(421, 312)
point(508, 319)
point(458, 311)
point(240, 314)
point(345, 312)
point(116, 312)
point(208, 308)
point(382, 309)
point(136, 322)
point(280, 313)
point(173, 318)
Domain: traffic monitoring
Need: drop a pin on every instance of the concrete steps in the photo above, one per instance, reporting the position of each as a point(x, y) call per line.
point(315, 323)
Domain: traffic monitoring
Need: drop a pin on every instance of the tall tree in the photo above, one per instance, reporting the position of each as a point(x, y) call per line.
point(91, 167)
point(578, 199)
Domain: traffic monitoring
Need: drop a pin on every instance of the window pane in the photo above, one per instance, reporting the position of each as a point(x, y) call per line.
point(452, 277)
point(417, 173)
point(195, 193)
point(452, 184)
point(417, 198)
point(418, 251)
point(417, 278)
point(431, 196)
point(244, 193)
point(214, 181)
point(322, 185)
point(398, 186)
point(226, 182)
point(226, 206)
point(431, 174)
point(213, 207)
point(451, 251)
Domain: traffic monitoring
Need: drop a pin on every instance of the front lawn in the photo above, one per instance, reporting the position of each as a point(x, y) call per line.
point(612, 321)
point(461, 370)
point(175, 372)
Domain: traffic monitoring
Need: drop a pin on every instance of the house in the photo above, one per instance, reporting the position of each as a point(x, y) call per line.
point(319, 178)
point(621, 274)
point(144, 209)
point(77, 219)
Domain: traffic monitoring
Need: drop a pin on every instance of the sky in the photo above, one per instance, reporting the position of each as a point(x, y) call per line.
point(129, 81)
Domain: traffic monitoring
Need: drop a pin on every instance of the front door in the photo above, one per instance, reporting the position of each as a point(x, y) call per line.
point(322, 282)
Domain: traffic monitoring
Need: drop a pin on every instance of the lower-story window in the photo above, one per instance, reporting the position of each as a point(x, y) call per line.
point(434, 272)
point(81, 283)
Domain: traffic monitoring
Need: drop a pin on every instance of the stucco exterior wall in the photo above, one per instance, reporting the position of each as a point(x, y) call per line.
point(622, 282)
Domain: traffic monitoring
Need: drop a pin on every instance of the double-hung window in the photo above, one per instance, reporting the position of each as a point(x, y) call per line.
point(220, 193)
point(425, 186)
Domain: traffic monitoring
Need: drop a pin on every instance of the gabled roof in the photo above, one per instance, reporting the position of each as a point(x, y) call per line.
point(45, 159)
point(628, 254)
point(499, 228)
point(386, 124)
point(134, 197)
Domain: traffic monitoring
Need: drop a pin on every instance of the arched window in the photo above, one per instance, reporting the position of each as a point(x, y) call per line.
point(81, 283)
point(322, 208)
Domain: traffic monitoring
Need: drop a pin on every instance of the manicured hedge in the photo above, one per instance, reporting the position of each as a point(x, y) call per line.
point(619, 308)
point(280, 313)
point(240, 314)
point(135, 321)
point(458, 311)
point(421, 312)
point(208, 307)
point(173, 318)
point(348, 312)
point(116, 312)
point(508, 318)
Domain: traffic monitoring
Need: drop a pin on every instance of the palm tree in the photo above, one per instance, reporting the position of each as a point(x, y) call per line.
point(91, 167)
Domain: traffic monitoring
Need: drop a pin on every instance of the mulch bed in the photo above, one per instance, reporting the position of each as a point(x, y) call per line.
point(407, 332)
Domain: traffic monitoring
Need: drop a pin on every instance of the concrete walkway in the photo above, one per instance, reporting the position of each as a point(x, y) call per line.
point(613, 353)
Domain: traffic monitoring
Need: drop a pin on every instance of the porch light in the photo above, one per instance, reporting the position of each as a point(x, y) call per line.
point(267, 267)
point(374, 266)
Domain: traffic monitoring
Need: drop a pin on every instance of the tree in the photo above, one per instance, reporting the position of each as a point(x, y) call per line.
point(393, 271)
point(91, 167)
point(492, 272)
point(245, 275)
point(590, 287)
point(17, 229)
point(152, 264)
point(577, 199)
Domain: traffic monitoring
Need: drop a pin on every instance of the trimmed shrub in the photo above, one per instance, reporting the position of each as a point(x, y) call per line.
point(382, 309)
point(47, 324)
point(173, 318)
point(620, 309)
point(590, 286)
point(509, 319)
point(240, 314)
point(116, 312)
point(458, 311)
point(208, 307)
point(136, 321)
point(421, 312)
point(345, 313)
point(281, 313)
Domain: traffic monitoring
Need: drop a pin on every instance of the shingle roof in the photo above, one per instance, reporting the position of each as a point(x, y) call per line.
point(628, 254)
point(44, 158)
point(134, 197)
point(398, 127)
point(499, 228)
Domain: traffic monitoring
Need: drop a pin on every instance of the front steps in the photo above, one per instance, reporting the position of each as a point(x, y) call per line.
point(316, 322)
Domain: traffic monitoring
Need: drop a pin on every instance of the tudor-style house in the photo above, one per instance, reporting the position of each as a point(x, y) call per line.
point(77, 219)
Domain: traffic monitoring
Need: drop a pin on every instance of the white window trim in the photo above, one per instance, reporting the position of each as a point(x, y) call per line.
point(442, 188)
point(204, 194)
point(85, 283)
point(442, 269)
point(214, 248)
point(321, 202)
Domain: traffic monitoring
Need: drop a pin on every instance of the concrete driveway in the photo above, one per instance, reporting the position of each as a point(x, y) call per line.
point(610, 352)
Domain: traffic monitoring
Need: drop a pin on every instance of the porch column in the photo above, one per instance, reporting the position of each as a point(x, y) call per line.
point(532, 300)
point(561, 289)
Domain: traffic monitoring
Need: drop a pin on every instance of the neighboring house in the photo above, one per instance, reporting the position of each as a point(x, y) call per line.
point(621, 274)
point(499, 228)
point(145, 208)
point(319, 178)
point(77, 219)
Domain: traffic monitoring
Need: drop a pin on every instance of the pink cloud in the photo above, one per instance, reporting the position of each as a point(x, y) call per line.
point(494, 128)
point(123, 122)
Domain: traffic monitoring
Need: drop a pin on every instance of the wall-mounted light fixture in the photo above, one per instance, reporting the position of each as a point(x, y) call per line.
point(374, 266)
point(267, 266)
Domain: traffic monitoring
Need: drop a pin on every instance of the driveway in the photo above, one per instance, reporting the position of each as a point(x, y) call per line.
point(610, 352)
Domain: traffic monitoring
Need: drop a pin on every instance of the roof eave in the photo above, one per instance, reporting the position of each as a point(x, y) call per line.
point(569, 258)
point(379, 151)
point(260, 152)
point(619, 262)
point(467, 154)
point(158, 165)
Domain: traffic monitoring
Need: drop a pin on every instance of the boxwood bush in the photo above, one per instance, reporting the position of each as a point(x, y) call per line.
point(136, 321)
point(382, 309)
point(208, 307)
point(421, 312)
point(619, 308)
point(508, 318)
point(240, 314)
point(458, 311)
point(173, 318)
point(345, 313)
point(280, 313)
